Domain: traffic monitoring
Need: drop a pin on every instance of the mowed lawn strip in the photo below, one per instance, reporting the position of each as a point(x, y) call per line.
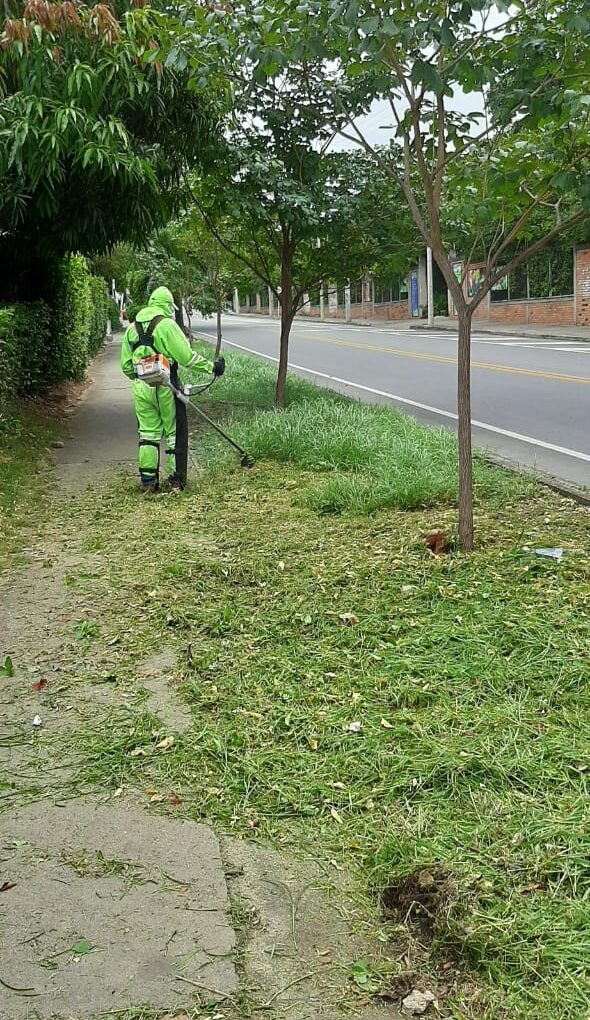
point(354, 698)
point(358, 699)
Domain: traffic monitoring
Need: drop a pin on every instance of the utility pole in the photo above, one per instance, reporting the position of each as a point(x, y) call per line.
point(430, 287)
point(347, 308)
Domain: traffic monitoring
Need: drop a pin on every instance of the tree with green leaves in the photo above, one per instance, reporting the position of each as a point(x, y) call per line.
point(97, 134)
point(487, 102)
point(296, 215)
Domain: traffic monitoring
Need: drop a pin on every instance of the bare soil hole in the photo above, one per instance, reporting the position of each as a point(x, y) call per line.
point(423, 898)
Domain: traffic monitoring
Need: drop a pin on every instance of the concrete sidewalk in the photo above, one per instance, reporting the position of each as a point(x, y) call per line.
point(104, 429)
point(541, 331)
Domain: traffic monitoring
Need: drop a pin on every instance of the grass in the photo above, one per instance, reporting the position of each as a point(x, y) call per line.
point(468, 677)
point(376, 457)
point(25, 434)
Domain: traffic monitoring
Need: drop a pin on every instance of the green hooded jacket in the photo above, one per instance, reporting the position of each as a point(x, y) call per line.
point(168, 338)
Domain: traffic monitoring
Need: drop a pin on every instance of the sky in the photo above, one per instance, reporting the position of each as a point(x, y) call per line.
point(377, 124)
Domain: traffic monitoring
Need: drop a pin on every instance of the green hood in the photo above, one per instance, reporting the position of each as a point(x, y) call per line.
point(161, 302)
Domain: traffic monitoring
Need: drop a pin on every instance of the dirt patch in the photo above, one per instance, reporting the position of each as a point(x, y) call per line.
point(421, 898)
point(303, 945)
point(158, 677)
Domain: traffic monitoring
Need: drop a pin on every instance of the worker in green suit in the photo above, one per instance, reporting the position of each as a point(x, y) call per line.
point(159, 412)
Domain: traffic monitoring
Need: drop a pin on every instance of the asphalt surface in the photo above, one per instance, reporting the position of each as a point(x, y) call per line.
point(530, 397)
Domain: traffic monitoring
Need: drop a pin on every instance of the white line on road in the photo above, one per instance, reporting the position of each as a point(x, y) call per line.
point(495, 339)
point(423, 407)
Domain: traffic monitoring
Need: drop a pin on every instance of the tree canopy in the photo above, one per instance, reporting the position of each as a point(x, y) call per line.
point(97, 135)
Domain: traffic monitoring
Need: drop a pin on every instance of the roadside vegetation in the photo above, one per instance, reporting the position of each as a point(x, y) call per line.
point(364, 457)
point(26, 432)
point(418, 720)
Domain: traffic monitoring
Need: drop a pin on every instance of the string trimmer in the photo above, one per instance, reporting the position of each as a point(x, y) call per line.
point(184, 394)
point(155, 371)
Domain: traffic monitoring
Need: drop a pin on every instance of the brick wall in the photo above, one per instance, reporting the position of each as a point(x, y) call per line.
point(582, 286)
point(554, 312)
point(509, 312)
point(395, 311)
point(482, 312)
point(546, 311)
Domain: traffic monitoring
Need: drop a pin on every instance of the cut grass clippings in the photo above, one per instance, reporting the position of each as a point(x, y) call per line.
point(25, 433)
point(354, 698)
point(360, 701)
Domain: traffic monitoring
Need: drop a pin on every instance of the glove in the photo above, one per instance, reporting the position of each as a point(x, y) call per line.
point(219, 367)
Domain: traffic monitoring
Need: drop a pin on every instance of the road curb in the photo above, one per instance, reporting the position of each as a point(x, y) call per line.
point(507, 332)
point(559, 485)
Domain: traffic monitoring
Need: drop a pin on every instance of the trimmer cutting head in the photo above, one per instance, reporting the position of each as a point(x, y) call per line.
point(247, 460)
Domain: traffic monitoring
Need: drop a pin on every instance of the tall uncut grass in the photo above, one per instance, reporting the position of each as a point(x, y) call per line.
point(377, 456)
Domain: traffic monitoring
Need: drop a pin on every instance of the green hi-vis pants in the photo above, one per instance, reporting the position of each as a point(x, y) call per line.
point(160, 414)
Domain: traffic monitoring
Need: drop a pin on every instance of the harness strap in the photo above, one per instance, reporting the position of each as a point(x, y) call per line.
point(145, 337)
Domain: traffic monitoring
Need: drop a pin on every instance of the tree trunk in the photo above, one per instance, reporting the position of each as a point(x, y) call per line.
point(287, 315)
point(179, 314)
point(219, 337)
point(464, 430)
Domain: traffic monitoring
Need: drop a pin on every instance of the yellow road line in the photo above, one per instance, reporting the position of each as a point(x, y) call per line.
point(485, 365)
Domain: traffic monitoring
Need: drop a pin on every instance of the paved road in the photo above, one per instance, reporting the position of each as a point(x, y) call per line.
point(531, 398)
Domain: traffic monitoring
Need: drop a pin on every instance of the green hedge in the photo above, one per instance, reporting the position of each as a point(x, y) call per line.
point(25, 349)
point(40, 345)
point(73, 316)
point(113, 313)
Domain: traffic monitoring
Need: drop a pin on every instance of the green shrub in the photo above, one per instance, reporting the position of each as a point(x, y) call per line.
point(99, 313)
point(25, 349)
point(73, 316)
point(132, 309)
point(113, 313)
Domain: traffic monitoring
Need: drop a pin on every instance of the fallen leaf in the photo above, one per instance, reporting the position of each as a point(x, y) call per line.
point(214, 791)
point(174, 799)
point(312, 743)
point(165, 743)
point(349, 619)
point(355, 727)
point(82, 948)
point(337, 786)
point(386, 725)
point(438, 542)
point(37, 721)
point(39, 686)
point(7, 669)
point(281, 565)
point(336, 816)
point(157, 798)
point(138, 752)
